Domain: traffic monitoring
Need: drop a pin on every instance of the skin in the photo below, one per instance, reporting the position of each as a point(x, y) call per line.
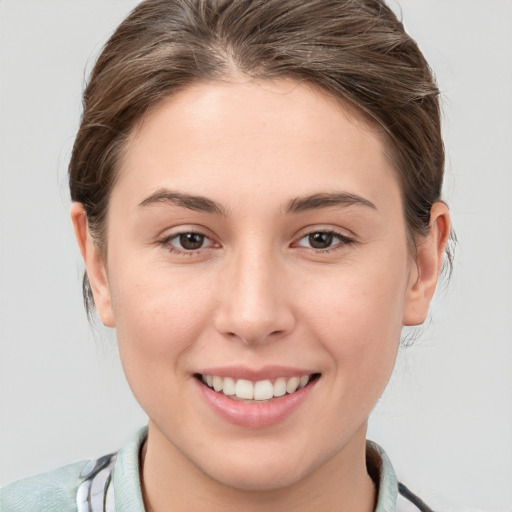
point(257, 292)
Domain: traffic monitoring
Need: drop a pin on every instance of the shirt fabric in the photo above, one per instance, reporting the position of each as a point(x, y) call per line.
point(112, 484)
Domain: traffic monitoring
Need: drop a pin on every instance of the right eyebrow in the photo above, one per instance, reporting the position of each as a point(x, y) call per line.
point(192, 202)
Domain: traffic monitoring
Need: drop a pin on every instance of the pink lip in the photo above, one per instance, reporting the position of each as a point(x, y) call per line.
point(267, 372)
point(254, 415)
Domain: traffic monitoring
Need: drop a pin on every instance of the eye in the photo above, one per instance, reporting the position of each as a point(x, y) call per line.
point(187, 242)
point(323, 240)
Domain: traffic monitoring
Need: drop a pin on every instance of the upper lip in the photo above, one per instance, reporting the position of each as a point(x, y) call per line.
point(265, 373)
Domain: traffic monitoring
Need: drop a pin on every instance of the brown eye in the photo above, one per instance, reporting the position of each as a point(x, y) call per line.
point(188, 242)
point(320, 240)
point(191, 241)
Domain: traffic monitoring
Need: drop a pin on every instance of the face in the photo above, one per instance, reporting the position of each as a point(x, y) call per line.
point(257, 246)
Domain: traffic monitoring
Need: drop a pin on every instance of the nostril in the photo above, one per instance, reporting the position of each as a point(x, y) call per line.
point(249, 340)
point(251, 324)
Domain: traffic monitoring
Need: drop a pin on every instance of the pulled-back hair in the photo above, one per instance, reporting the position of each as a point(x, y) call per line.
point(357, 50)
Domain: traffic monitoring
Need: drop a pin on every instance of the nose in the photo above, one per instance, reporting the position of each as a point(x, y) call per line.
point(254, 307)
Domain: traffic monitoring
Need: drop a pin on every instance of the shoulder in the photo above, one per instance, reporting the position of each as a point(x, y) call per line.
point(84, 486)
point(48, 492)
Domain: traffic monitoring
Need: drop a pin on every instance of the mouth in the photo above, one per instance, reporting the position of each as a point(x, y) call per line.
point(256, 392)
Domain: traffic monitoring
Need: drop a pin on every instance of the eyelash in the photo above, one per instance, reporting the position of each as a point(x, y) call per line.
point(167, 243)
point(342, 241)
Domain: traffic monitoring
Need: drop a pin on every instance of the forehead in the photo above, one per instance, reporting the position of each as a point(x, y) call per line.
point(246, 132)
point(253, 104)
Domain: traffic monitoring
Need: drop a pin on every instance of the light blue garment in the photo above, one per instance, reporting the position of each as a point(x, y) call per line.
point(57, 490)
point(87, 486)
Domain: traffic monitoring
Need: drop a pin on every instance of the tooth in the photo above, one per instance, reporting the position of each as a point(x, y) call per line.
point(244, 389)
point(263, 390)
point(229, 386)
point(292, 384)
point(280, 387)
point(303, 381)
point(217, 383)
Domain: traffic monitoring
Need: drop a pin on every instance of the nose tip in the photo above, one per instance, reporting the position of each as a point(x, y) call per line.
point(254, 307)
point(260, 318)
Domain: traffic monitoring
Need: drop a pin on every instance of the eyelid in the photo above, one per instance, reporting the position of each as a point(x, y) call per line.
point(343, 237)
point(165, 240)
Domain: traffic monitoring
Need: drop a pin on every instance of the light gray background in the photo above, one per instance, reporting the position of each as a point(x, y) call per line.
point(446, 419)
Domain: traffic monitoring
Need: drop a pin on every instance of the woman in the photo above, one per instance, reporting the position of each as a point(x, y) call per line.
point(256, 196)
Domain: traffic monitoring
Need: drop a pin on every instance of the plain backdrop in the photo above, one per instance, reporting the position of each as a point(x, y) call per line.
point(446, 418)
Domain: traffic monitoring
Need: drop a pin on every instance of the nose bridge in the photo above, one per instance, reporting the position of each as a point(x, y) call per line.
point(253, 305)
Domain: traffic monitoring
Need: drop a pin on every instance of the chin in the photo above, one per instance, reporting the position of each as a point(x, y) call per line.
point(257, 478)
point(260, 469)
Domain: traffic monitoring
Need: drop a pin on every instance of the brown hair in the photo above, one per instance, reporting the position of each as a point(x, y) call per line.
point(357, 50)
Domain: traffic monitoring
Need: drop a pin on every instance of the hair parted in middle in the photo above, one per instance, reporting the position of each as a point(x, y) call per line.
point(356, 50)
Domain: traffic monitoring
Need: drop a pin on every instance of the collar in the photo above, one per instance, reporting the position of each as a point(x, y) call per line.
point(128, 493)
point(383, 474)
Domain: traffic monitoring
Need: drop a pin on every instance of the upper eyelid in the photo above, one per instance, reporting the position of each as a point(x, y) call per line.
point(166, 242)
point(172, 232)
point(310, 230)
point(344, 239)
point(304, 232)
point(334, 233)
point(180, 233)
point(185, 232)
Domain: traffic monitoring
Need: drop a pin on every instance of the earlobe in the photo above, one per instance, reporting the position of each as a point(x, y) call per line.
point(94, 264)
point(429, 260)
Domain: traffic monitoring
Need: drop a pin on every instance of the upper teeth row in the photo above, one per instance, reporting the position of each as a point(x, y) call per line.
point(260, 390)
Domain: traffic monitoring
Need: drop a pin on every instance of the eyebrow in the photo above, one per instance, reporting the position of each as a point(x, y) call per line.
point(192, 202)
point(326, 200)
point(297, 205)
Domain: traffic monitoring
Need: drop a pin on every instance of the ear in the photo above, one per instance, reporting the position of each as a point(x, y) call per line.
point(94, 264)
point(426, 268)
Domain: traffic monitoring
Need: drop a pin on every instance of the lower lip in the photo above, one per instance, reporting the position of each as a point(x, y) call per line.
point(256, 415)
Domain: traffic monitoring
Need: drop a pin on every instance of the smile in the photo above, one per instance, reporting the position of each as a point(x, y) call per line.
point(259, 391)
point(255, 399)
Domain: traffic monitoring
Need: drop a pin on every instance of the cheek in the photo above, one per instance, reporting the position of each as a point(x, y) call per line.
point(158, 317)
point(358, 316)
point(158, 322)
point(360, 330)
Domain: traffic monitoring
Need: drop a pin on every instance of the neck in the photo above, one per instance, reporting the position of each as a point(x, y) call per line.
point(171, 482)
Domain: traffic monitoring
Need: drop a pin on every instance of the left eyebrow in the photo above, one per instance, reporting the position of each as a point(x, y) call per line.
point(192, 202)
point(326, 200)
